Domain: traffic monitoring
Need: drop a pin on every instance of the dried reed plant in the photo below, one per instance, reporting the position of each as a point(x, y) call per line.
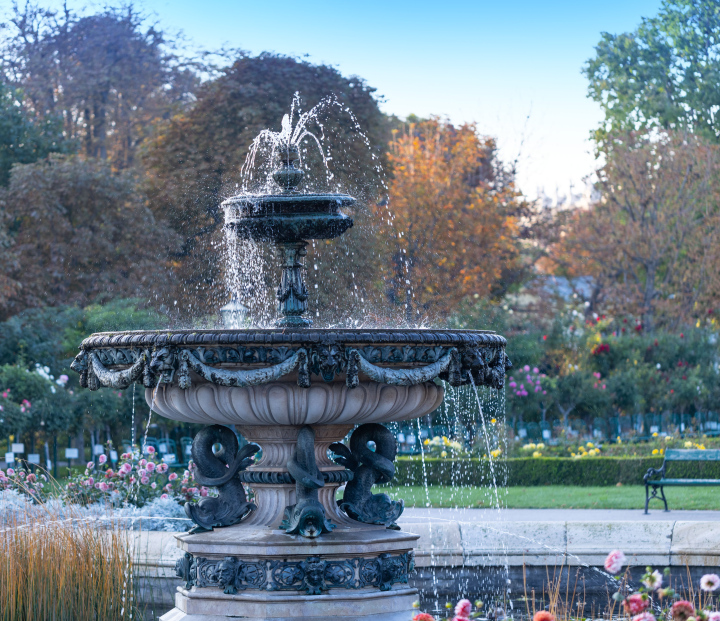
point(67, 569)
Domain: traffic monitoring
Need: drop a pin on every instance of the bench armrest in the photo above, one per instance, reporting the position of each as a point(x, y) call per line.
point(653, 472)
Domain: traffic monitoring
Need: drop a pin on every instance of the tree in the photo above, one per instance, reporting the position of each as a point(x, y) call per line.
point(23, 139)
point(104, 75)
point(666, 74)
point(651, 243)
point(194, 160)
point(81, 234)
point(454, 219)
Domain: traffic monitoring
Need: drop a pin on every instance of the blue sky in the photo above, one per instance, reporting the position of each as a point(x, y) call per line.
point(511, 66)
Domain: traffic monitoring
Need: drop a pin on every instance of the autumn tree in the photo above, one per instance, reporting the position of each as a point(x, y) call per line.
point(455, 220)
point(664, 74)
point(80, 234)
point(194, 162)
point(651, 243)
point(106, 75)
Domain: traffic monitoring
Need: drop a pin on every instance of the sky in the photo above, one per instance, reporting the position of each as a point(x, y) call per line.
point(513, 67)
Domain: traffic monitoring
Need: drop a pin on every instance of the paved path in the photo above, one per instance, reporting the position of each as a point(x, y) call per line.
point(558, 515)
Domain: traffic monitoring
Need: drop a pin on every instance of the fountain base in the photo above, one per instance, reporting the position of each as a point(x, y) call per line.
point(247, 572)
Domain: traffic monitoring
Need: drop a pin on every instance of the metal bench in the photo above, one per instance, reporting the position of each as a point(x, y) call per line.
point(677, 455)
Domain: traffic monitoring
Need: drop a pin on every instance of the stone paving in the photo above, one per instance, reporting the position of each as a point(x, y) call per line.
point(561, 515)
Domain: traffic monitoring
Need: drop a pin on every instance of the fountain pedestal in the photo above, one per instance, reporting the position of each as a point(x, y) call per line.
point(255, 570)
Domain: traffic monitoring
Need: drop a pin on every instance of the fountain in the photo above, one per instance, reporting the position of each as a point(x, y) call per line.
point(295, 392)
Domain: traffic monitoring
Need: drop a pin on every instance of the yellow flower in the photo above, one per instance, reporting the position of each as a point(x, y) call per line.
point(573, 454)
point(688, 444)
point(700, 446)
point(668, 438)
point(655, 434)
point(590, 444)
point(445, 441)
point(540, 446)
point(427, 441)
point(619, 441)
point(537, 454)
point(496, 452)
point(493, 421)
point(443, 454)
point(576, 456)
point(655, 452)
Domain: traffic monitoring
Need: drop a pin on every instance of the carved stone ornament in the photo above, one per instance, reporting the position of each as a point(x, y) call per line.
point(313, 575)
point(253, 357)
point(220, 470)
point(307, 516)
point(368, 468)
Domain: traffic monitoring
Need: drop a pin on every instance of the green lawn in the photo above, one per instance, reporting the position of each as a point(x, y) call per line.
point(558, 497)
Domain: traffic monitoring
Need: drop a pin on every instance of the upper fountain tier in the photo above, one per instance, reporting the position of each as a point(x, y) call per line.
point(290, 216)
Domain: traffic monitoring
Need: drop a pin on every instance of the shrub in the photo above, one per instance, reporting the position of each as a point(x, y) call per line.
point(534, 471)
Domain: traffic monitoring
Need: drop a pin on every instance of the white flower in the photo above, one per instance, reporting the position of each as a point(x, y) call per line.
point(710, 582)
point(653, 580)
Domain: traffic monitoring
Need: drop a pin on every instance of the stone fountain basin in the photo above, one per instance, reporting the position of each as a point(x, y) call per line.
point(294, 376)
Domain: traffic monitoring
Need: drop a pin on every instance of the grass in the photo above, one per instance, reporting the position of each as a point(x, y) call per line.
point(558, 497)
point(64, 570)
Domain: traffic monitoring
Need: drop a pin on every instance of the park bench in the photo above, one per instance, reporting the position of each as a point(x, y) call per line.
point(651, 480)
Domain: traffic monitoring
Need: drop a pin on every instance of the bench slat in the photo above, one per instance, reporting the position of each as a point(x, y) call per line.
point(692, 455)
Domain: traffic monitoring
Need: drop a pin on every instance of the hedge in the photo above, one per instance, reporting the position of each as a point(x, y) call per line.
point(531, 471)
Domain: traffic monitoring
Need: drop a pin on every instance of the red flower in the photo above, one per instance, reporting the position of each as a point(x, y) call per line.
point(544, 337)
point(423, 616)
point(543, 615)
point(636, 603)
point(682, 610)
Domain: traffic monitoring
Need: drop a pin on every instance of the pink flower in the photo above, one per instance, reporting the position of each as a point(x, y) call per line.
point(456, 618)
point(463, 608)
point(636, 603)
point(91, 481)
point(109, 473)
point(543, 615)
point(102, 459)
point(203, 491)
point(536, 370)
point(423, 616)
point(682, 610)
point(97, 485)
point(144, 480)
point(150, 449)
point(125, 469)
point(150, 467)
point(164, 496)
point(526, 368)
point(126, 456)
point(713, 616)
point(142, 472)
point(172, 476)
point(90, 465)
point(153, 485)
point(162, 468)
point(614, 561)
point(710, 582)
point(644, 616)
point(31, 478)
point(104, 486)
point(142, 463)
point(168, 488)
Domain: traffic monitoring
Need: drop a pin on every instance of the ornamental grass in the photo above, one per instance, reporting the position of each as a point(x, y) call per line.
point(65, 569)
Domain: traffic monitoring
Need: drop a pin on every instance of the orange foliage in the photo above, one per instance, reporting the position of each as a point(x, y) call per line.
point(454, 218)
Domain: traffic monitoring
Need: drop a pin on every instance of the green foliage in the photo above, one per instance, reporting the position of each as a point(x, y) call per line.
point(666, 73)
point(23, 139)
point(533, 471)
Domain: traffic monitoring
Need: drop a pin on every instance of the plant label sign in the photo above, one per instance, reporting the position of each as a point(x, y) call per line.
point(113, 456)
point(18, 448)
point(71, 453)
point(33, 458)
point(9, 458)
point(98, 449)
